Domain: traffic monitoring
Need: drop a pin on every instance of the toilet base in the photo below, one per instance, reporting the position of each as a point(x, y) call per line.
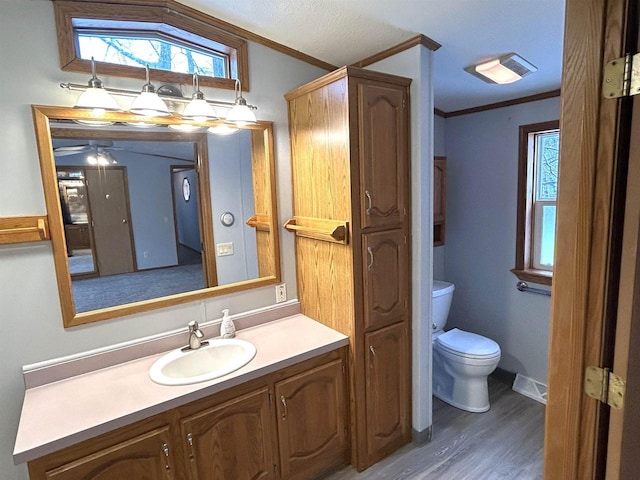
point(462, 385)
point(466, 408)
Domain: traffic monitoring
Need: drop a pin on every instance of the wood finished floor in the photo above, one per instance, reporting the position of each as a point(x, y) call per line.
point(504, 443)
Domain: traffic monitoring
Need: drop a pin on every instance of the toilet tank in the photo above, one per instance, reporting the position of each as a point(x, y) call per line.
point(442, 294)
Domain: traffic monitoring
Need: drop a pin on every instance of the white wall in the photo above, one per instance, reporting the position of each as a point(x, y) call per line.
point(232, 191)
point(482, 171)
point(416, 63)
point(30, 319)
point(439, 150)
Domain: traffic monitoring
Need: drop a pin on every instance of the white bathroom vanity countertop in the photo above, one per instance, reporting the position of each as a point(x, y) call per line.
point(65, 412)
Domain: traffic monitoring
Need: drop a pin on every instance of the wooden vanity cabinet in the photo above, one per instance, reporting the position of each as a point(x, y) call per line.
point(312, 427)
point(142, 451)
point(387, 411)
point(231, 440)
point(349, 133)
point(237, 434)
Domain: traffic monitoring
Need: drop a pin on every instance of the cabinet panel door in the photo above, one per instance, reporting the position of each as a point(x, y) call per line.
point(311, 421)
point(387, 394)
point(145, 457)
point(233, 440)
point(439, 188)
point(386, 278)
point(384, 160)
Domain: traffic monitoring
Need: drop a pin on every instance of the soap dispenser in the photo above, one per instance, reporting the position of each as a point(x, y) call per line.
point(227, 328)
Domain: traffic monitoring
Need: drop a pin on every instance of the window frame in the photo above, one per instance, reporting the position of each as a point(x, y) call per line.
point(160, 12)
point(526, 206)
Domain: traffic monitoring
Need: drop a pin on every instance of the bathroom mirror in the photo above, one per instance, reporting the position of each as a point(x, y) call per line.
point(143, 218)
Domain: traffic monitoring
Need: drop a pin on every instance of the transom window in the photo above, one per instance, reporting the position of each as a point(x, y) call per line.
point(537, 193)
point(163, 36)
point(159, 52)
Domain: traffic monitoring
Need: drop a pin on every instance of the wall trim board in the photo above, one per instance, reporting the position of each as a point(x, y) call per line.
point(440, 113)
point(401, 47)
point(423, 437)
point(493, 106)
point(504, 376)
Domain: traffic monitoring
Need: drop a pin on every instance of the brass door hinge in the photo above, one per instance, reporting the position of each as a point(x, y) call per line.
point(604, 385)
point(622, 77)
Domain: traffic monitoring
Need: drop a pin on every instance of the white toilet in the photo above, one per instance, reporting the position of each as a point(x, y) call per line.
point(462, 361)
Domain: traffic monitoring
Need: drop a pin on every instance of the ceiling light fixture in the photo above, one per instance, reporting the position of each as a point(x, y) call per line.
point(101, 158)
point(198, 109)
point(148, 103)
point(508, 68)
point(241, 114)
point(96, 97)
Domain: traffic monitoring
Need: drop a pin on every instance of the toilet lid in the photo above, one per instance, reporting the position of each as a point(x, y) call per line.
point(468, 344)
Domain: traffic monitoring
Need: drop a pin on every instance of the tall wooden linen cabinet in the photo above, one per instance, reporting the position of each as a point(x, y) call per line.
point(350, 168)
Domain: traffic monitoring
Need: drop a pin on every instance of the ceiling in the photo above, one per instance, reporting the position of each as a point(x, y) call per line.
point(342, 32)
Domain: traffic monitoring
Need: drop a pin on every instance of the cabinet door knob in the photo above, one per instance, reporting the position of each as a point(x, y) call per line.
point(190, 442)
point(284, 405)
point(368, 195)
point(370, 252)
point(373, 350)
point(165, 450)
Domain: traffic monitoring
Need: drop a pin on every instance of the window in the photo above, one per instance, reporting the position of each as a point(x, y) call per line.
point(537, 192)
point(126, 47)
point(164, 36)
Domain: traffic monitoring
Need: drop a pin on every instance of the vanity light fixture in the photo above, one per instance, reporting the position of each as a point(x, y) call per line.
point(508, 68)
point(241, 114)
point(185, 127)
point(198, 109)
point(148, 103)
point(222, 130)
point(96, 97)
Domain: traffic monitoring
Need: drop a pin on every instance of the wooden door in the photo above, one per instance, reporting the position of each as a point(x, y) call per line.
point(386, 278)
point(624, 425)
point(387, 391)
point(312, 428)
point(145, 457)
point(587, 279)
point(233, 440)
point(111, 220)
point(383, 146)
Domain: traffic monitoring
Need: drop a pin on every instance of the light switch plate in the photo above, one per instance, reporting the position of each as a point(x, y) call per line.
point(224, 249)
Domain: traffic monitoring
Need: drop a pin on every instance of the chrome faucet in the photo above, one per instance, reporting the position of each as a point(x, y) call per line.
point(195, 337)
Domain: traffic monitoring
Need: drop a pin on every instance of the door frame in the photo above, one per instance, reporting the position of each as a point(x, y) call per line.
point(587, 263)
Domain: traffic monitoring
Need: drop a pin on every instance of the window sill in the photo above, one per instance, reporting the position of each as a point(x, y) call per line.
point(541, 277)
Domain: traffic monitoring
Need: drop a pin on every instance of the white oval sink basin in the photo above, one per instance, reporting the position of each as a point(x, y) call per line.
point(221, 357)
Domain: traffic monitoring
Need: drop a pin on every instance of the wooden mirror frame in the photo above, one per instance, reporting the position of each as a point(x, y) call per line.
point(264, 222)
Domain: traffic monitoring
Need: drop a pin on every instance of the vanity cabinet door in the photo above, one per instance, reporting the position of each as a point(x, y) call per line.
point(233, 440)
point(145, 457)
point(384, 161)
point(387, 390)
point(385, 279)
point(311, 421)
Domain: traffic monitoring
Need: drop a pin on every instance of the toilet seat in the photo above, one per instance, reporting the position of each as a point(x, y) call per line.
point(467, 345)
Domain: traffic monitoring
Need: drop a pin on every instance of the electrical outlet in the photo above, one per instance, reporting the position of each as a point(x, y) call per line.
point(281, 293)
